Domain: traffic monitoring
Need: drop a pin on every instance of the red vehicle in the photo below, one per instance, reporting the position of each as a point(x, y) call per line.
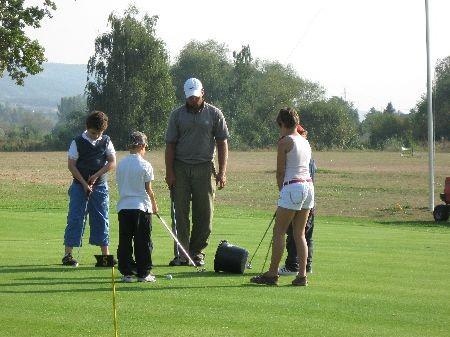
point(441, 212)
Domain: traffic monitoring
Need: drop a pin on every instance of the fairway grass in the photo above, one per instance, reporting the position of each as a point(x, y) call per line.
point(370, 279)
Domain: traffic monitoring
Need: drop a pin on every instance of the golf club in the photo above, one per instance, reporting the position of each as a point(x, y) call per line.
point(174, 221)
point(179, 244)
point(267, 254)
point(249, 264)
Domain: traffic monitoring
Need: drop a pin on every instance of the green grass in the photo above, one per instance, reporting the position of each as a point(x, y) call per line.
point(370, 279)
point(380, 265)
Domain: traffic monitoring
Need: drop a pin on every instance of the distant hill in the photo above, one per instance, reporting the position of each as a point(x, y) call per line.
point(44, 90)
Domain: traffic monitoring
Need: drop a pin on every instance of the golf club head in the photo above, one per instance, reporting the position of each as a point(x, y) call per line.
point(201, 270)
point(248, 266)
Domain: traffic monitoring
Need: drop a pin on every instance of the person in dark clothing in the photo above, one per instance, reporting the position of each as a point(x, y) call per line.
point(91, 155)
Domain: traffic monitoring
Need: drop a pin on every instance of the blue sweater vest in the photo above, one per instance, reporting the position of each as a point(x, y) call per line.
point(91, 158)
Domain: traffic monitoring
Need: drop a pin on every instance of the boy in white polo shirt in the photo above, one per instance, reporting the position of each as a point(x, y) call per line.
point(136, 204)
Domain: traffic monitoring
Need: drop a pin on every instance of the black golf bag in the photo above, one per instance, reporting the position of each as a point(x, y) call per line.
point(230, 258)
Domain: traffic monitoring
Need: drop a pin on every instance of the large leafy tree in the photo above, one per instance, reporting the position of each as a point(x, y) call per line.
point(19, 55)
point(250, 92)
point(331, 123)
point(381, 128)
point(207, 61)
point(241, 97)
point(129, 78)
point(275, 86)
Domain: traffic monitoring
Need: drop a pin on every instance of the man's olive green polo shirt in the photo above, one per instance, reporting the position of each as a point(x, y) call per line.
point(195, 133)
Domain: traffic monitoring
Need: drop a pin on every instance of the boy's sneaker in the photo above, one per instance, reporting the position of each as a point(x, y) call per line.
point(178, 261)
point(127, 279)
point(68, 260)
point(149, 278)
point(285, 271)
point(300, 281)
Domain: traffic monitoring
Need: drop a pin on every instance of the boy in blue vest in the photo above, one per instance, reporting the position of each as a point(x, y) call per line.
point(91, 155)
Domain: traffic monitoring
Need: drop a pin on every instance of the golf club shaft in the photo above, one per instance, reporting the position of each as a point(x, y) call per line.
point(84, 226)
point(265, 233)
point(176, 240)
point(174, 220)
point(268, 250)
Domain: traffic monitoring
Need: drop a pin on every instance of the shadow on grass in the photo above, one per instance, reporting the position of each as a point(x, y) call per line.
point(421, 224)
point(161, 285)
point(195, 274)
point(60, 278)
point(55, 283)
point(119, 288)
point(33, 268)
point(46, 268)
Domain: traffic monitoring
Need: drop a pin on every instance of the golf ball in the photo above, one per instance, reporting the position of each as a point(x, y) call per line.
point(168, 276)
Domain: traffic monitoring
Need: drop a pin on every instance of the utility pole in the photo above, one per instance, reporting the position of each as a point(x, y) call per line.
point(430, 115)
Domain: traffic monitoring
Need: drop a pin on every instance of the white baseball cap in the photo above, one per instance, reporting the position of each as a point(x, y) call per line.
point(193, 87)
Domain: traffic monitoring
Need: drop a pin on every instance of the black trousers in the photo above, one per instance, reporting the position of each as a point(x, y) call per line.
point(135, 226)
point(291, 262)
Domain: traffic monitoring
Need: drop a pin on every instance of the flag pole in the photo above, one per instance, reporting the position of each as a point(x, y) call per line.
point(430, 115)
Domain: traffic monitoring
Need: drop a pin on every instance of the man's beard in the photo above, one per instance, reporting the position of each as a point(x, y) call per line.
point(196, 106)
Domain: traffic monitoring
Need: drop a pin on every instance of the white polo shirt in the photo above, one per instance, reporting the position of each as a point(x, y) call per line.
point(132, 173)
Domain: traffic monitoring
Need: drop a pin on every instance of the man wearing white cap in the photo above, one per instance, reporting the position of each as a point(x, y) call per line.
point(194, 131)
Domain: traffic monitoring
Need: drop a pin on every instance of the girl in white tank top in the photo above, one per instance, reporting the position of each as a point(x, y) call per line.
point(296, 197)
point(297, 160)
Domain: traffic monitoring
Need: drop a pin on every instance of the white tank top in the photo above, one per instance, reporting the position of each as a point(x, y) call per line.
point(297, 160)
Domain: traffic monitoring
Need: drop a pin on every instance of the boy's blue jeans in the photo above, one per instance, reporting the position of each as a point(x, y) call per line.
point(98, 210)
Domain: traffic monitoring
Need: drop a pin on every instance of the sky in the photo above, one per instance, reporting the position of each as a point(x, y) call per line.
point(369, 52)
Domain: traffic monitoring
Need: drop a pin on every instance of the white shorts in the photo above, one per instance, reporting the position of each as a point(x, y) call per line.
point(297, 196)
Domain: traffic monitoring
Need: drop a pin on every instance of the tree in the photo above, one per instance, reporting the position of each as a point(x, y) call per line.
point(72, 113)
point(441, 106)
point(23, 130)
point(331, 123)
point(241, 97)
point(389, 109)
point(207, 61)
point(381, 128)
point(277, 86)
point(19, 55)
point(250, 92)
point(129, 78)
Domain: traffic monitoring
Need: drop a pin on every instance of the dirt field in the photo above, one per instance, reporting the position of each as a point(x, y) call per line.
point(380, 185)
